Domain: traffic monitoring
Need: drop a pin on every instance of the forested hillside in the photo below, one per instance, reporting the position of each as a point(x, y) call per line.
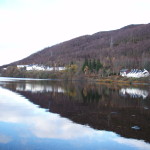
point(128, 47)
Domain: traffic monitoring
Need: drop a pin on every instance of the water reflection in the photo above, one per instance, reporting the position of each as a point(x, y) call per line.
point(81, 115)
point(4, 139)
point(40, 123)
point(34, 88)
point(134, 92)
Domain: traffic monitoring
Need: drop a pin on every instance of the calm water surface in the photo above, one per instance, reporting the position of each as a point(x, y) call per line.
point(57, 115)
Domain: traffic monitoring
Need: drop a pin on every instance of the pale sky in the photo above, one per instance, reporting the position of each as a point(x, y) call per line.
point(27, 26)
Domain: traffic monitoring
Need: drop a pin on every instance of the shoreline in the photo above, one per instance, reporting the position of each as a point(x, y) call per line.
point(108, 80)
point(129, 82)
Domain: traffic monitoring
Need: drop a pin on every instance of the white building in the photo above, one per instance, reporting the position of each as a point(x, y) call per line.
point(40, 67)
point(135, 73)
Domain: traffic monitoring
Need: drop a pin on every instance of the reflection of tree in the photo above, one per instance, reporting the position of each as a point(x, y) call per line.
point(70, 90)
point(90, 95)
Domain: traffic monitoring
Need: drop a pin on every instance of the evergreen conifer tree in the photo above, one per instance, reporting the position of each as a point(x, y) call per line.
point(98, 65)
point(85, 64)
point(90, 65)
point(93, 65)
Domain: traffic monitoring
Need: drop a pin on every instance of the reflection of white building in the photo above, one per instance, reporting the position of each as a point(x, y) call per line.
point(135, 73)
point(34, 88)
point(134, 92)
point(39, 67)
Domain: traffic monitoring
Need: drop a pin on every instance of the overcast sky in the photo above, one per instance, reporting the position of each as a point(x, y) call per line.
point(27, 26)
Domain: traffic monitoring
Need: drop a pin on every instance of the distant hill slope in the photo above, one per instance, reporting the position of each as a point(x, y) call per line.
point(126, 47)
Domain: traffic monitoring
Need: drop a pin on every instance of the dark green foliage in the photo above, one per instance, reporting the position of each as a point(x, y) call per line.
point(90, 65)
point(98, 65)
point(85, 64)
point(71, 63)
point(93, 65)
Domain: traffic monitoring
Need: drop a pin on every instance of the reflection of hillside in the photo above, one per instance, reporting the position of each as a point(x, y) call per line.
point(99, 107)
point(134, 92)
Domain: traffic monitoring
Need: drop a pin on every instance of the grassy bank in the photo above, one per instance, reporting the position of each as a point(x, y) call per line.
point(124, 80)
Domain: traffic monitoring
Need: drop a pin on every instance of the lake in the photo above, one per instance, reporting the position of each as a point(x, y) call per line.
point(61, 115)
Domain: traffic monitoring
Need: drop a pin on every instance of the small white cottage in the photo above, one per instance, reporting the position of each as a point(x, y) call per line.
point(135, 73)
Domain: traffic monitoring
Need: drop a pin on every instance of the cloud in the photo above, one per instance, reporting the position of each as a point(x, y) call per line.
point(4, 139)
point(141, 145)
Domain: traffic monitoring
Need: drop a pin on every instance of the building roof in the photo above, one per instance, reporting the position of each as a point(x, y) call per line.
point(124, 70)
